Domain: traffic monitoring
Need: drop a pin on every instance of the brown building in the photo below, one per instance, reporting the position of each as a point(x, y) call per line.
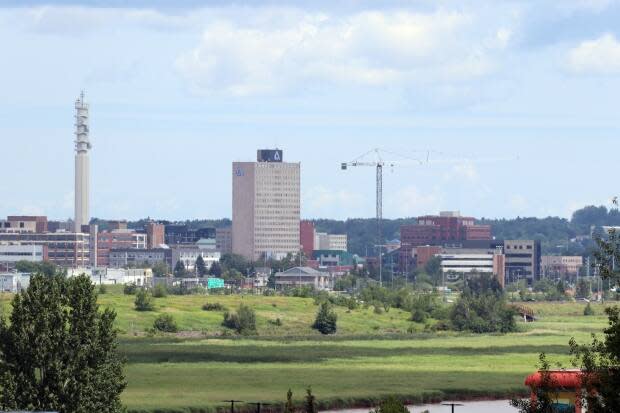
point(155, 235)
point(447, 228)
point(223, 240)
point(117, 239)
point(21, 223)
point(306, 237)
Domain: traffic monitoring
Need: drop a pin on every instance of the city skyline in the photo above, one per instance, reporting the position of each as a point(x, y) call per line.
point(166, 125)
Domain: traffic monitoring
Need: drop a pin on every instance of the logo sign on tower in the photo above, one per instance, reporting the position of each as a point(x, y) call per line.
point(269, 155)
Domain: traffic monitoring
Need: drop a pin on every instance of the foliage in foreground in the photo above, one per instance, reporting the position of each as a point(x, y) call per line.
point(59, 352)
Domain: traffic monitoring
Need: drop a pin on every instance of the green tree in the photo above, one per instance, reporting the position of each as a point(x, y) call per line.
point(583, 289)
point(310, 402)
point(289, 406)
point(179, 269)
point(433, 269)
point(391, 405)
point(326, 318)
point(160, 269)
point(201, 268)
point(143, 301)
point(546, 392)
point(215, 270)
point(58, 352)
point(588, 310)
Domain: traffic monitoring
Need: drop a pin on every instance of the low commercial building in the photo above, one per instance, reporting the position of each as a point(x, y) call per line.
point(110, 276)
point(302, 277)
point(131, 257)
point(561, 265)
point(10, 254)
point(13, 282)
point(65, 249)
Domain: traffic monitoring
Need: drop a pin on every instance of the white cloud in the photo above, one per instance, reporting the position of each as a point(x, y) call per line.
point(598, 56)
point(320, 201)
point(374, 48)
point(410, 201)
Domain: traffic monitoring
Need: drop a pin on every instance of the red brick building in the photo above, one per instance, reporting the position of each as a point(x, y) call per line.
point(306, 237)
point(155, 235)
point(445, 228)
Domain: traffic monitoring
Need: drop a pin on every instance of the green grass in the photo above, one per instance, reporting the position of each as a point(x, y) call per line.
point(370, 357)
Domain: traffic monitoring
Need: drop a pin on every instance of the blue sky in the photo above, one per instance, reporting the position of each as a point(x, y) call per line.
point(521, 96)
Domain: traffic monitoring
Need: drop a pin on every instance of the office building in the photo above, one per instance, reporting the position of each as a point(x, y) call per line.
point(561, 265)
point(10, 254)
point(223, 240)
point(449, 227)
point(120, 238)
point(82, 165)
point(131, 257)
point(175, 234)
point(266, 203)
point(155, 235)
point(65, 249)
point(324, 241)
point(522, 260)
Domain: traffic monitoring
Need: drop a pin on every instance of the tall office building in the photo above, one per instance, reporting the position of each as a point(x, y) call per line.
point(266, 203)
point(82, 165)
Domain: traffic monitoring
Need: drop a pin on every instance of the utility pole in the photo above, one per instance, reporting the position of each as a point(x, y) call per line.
point(232, 404)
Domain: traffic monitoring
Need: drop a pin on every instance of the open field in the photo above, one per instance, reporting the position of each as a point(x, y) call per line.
point(370, 357)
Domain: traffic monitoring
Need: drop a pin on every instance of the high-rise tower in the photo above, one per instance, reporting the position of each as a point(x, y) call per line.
point(82, 164)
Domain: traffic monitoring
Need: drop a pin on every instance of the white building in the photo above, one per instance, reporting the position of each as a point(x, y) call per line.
point(333, 242)
point(82, 164)
point(11, 253)
point(111, 276)
point(266, 203)
point(188, 254)
point(14, 282)
point(303, 276)
point(457, 262)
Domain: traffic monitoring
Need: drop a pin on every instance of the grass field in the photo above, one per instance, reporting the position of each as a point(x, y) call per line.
point(370, 357)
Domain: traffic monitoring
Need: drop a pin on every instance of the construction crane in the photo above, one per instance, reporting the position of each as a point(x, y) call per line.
point(379, 163)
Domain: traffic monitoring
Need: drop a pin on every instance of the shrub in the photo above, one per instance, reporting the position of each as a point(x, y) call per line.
point(419, 316)
point(326, 318)
point(588, 310)
point(103, 289)
point(378, 308)
point(213, 307)
point(391, 405)
point(160, 291)
point(144, 301)
point(277, 322)
point(130, 289)
point(243, 321)
point(165, 323)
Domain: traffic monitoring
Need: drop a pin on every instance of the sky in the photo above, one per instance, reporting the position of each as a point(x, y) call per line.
point(515, 104)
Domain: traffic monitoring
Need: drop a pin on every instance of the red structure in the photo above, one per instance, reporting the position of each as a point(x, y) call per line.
point(306, 237)
point(433, 230)
point(564, 385)
point(155, 235)
point(40, 221)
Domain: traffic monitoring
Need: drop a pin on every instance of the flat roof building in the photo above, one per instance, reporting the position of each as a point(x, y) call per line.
point(266, 204)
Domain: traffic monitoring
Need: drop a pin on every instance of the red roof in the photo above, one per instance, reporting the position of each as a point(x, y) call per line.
point(561, 378)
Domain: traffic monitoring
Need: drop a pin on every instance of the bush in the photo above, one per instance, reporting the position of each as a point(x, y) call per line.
point(160, 291)
point(103, 289)
point(213, 307)
point(243, 321)
point(144, 301)
point(419, 316)
point(130, 289)
point(277, 322)
point(326, 318)
point(391, 405)
point(378, 308)
point(588, 310)
point(165, 323)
